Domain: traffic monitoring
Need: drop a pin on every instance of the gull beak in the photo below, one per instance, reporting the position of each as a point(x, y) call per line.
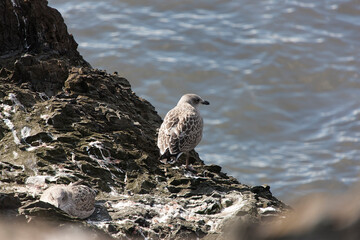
point(205, 103)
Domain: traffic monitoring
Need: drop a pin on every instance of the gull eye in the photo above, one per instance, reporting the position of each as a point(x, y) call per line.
point(64, 198)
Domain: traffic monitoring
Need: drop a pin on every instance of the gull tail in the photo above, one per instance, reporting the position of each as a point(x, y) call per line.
point(169, 157)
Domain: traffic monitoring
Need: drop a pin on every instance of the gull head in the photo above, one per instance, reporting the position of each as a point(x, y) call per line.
point(59, 197)
point(192, 99)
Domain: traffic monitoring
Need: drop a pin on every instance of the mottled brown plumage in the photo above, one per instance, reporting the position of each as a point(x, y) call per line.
point(76, 200)
point(182, 128)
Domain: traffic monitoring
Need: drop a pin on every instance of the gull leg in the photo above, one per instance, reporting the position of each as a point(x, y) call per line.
point(187, 166)
point(187, 161)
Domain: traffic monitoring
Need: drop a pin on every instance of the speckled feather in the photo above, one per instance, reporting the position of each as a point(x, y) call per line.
point(181, 130)
point(76, 200)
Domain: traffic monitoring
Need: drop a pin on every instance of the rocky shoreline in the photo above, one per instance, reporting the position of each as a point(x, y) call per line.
point(62, 121)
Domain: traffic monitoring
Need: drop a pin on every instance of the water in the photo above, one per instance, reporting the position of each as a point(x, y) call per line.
point(282, 78)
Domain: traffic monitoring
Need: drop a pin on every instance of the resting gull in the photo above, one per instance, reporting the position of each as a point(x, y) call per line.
point(75, 200)
point(181, 130)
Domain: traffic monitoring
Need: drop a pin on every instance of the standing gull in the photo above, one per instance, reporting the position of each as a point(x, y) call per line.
point(182, 129)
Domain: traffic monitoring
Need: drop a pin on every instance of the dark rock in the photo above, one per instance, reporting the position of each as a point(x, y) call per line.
point(38, 138)
point(32, 26)
point(142, 222)
point(32, 71)
point(213, 168)
point(9, 201)
point(44, 211)
point(176, 181)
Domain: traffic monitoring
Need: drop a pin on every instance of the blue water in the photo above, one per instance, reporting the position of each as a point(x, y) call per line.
point(282, 78)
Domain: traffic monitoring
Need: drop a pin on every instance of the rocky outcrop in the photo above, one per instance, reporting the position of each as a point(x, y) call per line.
point(32, 26)
point(62, 121)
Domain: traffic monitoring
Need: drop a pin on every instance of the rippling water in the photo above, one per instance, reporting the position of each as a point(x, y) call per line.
point(282, 78)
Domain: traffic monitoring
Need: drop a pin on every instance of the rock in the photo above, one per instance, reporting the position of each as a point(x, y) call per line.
point(32, 26)
point(44, 211)
point(62, 121)
point(9, 201)
point(36, 49)
point(30, 71)
point(315, 217)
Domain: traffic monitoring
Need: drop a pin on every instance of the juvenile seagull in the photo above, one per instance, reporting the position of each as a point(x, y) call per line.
point(182, 129)
point(75, 200)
